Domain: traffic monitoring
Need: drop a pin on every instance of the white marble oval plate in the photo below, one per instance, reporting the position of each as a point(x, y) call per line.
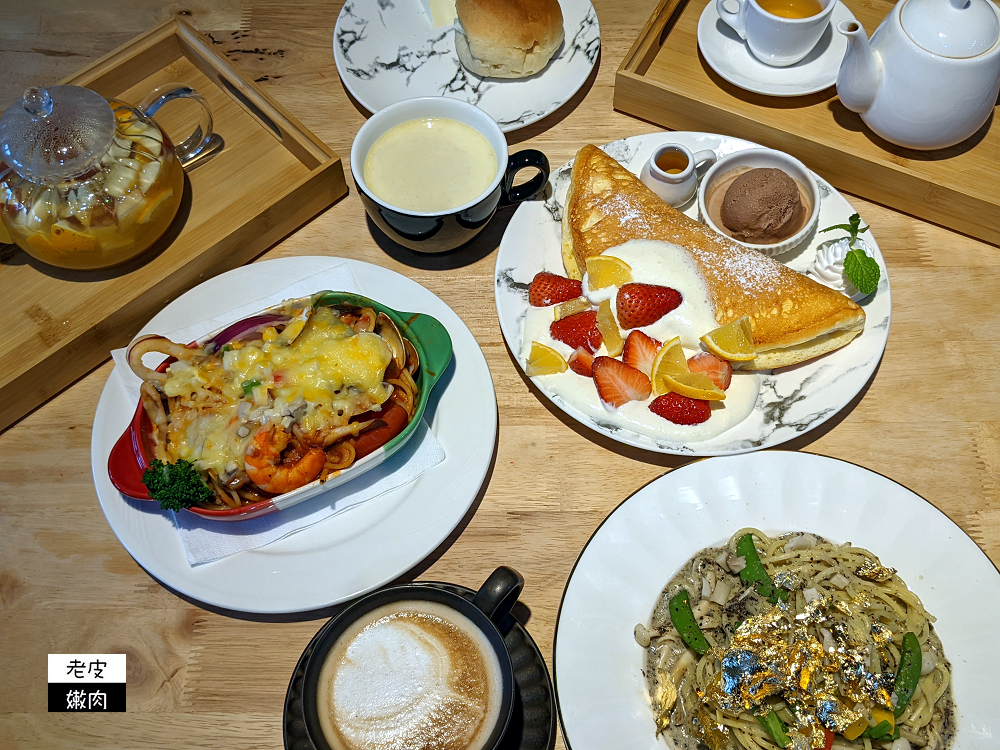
point(597, 665)
point(729, 56)
point(387, 51)
point(792, 400)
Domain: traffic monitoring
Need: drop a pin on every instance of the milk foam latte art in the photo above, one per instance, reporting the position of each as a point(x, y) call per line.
point(410, 674)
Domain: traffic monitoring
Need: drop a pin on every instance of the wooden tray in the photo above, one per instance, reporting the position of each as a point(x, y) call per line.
point(665, 80)
point(272, 176)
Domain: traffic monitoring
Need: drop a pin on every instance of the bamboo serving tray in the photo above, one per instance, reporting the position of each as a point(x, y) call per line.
point(665, 80)
point(272, 176)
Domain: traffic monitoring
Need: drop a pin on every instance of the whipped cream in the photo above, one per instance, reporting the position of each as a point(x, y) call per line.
point(828, 268)
point(665, 264)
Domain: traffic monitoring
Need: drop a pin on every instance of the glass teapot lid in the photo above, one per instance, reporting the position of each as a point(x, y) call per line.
point(56, 132)
point(951, 28)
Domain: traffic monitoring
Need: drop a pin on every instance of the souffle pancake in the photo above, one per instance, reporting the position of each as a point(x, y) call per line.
point(793, 317)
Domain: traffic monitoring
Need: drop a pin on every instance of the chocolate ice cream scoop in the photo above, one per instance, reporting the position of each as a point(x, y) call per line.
point(762, 206)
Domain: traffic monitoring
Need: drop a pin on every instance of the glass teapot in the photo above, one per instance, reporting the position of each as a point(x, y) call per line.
point(87, 182)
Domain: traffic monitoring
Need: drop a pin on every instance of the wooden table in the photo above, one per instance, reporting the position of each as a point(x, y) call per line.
point(196, 679)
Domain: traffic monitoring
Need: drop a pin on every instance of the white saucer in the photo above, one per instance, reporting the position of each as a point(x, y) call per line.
point(729, 56)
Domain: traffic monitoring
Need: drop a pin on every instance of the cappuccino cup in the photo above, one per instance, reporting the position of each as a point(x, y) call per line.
point(414, 667)
point(778, 40)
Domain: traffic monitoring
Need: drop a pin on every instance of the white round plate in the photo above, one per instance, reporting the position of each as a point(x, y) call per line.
point(351, 553)
point(729, 56)
point(791, 401)
point(387, 51)
point(597, 665)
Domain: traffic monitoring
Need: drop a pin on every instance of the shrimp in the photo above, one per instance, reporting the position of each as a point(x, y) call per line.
point(270, 472)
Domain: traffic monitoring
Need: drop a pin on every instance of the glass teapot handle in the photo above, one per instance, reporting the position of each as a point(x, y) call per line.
point(195, 143)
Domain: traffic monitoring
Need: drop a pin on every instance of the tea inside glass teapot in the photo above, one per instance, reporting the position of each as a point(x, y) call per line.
point(87, 182)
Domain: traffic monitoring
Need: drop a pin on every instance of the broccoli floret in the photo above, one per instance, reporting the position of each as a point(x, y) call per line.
point(176, 486)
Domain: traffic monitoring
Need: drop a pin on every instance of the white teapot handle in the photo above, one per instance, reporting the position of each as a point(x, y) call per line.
point(738, 19)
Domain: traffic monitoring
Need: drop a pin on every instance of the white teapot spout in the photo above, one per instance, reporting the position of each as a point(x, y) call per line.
point(861, 71)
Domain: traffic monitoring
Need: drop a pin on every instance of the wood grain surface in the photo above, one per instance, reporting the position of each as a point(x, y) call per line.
point(930, 418)
point(665, 80)
point(262, 188)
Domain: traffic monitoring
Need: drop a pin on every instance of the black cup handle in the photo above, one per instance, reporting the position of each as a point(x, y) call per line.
point(509, 194)
point(499, 593)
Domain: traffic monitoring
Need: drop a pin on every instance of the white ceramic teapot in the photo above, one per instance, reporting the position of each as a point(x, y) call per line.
point(930, 75)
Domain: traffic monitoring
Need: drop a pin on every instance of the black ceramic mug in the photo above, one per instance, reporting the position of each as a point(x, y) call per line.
point(376, 667)
point(441, 231)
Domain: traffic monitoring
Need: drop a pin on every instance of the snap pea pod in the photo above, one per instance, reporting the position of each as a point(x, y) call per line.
point(754, 573)
point(683, 619)
point(908, 674)
point(775, 727)
point(879, 731)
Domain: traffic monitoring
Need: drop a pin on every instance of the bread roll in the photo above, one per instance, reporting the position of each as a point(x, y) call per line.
point(507, 38)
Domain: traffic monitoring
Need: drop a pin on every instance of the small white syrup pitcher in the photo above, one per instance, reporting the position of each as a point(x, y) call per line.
point(671, 172)
point(930, 75)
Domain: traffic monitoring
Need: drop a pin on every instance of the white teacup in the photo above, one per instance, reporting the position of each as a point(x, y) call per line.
point(772, 39)
point(676, 185)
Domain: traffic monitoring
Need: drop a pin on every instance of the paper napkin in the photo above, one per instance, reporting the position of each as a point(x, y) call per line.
point(205, 540)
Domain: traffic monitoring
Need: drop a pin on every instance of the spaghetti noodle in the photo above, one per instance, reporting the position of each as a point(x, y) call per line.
point(794, 642)
point(295, 395)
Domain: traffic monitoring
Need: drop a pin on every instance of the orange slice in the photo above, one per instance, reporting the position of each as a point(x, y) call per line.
point(733, 341)
point(693, 385)
point(670, 360)
point(572, 307)
point(544, 360)
point(67, 240)
point(606, 270)
point(608, 327)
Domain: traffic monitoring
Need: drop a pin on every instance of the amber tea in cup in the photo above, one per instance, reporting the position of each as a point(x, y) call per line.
point(672, 161)
point(791, 8)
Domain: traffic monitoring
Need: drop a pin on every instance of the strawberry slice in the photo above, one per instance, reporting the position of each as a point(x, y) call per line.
point(640, 351)
point(551, 289)
point(617, 383)
point(642, 304)
point(578, 330)
point(718, 370)
point(680, 409)
point(582, 362)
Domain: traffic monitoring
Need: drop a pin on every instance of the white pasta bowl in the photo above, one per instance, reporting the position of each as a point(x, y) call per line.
point(597, 665)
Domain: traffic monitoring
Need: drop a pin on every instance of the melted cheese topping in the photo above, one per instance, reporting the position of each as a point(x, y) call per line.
point(321, 379)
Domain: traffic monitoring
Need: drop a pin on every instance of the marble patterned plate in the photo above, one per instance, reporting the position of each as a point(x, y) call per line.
point(387, 51)
point(792, 400)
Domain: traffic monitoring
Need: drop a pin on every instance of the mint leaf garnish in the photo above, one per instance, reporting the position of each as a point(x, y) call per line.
point(862, 271)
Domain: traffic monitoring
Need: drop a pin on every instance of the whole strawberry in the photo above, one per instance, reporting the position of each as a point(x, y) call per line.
point(643, 304)
point(551, 289)
point(680, 409)
point(578, 330)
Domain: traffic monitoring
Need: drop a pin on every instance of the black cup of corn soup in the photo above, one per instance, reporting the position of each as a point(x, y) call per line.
point(432, 171)
point(414, 665)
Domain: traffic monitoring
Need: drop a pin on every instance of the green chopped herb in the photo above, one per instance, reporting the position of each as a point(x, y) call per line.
point(248, 386)
point(176, 486)
point(862, 270)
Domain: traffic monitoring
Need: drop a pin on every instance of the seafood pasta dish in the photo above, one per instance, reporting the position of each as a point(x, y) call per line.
point(273, 403)
point(794, 642)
